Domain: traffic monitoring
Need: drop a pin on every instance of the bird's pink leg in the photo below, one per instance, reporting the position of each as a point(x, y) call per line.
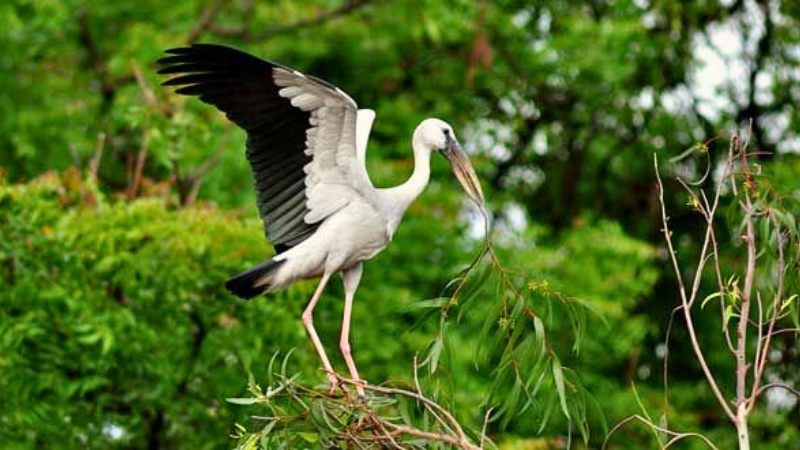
point(351, 279)
point(308, 322)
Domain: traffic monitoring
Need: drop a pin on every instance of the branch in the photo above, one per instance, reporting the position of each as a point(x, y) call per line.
point(94, 163)
point(147, 93)
point(419, 397)
point(378, 418)
point(778, 385)
point(776, 307)
point(750, 268)
point(244, 33)
point(676, 436)
point(95, 61)
point(140, 159)
point(205, 21)
point(400, 429)
point(685, 301)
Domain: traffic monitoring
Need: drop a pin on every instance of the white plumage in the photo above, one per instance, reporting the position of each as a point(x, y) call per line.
point(306, 144)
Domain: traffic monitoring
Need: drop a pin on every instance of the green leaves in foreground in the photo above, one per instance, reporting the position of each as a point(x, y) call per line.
point(299, 416)
point(527, 375)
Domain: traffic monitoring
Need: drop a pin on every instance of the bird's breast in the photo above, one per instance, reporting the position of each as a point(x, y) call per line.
point(354, 234)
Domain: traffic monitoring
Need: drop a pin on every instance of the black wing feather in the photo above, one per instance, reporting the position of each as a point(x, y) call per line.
point(242, 86)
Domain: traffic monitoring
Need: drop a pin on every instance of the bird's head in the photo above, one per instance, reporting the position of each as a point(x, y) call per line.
point(438, 136)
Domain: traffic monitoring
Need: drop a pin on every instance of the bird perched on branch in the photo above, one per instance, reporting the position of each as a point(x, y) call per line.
point(306, 145)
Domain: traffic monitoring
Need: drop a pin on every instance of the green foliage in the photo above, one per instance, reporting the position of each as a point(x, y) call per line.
point(112, 318)
point(106, 286)
point(298, 416)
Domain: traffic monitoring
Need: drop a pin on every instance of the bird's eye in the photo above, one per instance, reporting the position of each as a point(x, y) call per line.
point(446, 131)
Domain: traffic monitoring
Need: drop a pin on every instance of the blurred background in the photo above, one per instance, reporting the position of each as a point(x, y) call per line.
point(123, 207)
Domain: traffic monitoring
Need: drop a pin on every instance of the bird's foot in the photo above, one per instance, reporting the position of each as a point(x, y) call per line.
point(333, 383)
point(360, 388)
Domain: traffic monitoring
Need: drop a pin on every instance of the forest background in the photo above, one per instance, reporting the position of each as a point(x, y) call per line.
point(123, 207)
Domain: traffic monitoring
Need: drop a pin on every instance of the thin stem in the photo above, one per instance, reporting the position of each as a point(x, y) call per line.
point(682, 289)
point(750, 269)
point(426, 405)
point(418, 396)
point(778, 385)
point(401, 429)
point(776, 306)
point(741, 333)
point(676, 435)
point(760, 330)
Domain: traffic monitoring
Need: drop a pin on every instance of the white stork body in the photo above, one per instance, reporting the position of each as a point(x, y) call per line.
point(307, 147)
point(353, 234)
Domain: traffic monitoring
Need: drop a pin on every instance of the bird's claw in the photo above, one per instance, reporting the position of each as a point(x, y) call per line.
point(359, 384)
point(333, 383)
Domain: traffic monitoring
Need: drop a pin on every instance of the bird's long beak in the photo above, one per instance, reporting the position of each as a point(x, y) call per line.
point(463, 170)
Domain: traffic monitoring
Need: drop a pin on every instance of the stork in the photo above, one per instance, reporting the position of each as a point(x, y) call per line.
point(306, 145)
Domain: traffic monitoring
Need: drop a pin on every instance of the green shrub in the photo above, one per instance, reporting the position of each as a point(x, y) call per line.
point(113, 323)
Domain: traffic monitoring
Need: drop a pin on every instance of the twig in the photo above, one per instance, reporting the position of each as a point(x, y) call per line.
point(457, 427)
point(426, 405)
point(776, 306)
point(94, 163)
point(418, 396)
point(742, 406)
point(140, 159)
point(485, 424)
point(650, 424)
point(759, 342)
point(189, 185)
point(389, 435)
point(682, 289)
point(781, 331)
point(720, 285)
point(245, 34)
point(741, 333)
point(431, 436)
point(778, 385)
point(205, 21)
point(147, 93)
point(97, 64)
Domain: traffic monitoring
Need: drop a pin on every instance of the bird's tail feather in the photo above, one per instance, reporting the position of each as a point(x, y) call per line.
point(252, 282)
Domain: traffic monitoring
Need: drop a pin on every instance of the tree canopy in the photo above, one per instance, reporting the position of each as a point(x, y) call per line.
point(124, 207)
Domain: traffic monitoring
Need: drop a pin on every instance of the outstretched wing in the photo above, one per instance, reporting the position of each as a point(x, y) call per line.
point(301, 134)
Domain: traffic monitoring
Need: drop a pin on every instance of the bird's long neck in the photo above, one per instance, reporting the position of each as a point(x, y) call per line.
point(414, 186)
point(400, 197)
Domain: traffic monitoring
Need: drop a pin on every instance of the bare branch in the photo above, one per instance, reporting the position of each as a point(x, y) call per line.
point(147, 93)
point(750, 270)
point(676, 435)
point(140, 159)
point(778, 385)
point(94, 163)
point(776, 306)
point(685, 300)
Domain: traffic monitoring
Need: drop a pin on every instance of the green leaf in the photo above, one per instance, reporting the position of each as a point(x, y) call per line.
point(242, 401)
point(709, 298)
point(311, 438)
point(558, 378)
point(424, 304)
point(729, 313)
point(434, 353)
point(683, 155)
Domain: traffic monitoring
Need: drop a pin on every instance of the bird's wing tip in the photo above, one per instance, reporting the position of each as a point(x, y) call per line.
point(178, 50)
